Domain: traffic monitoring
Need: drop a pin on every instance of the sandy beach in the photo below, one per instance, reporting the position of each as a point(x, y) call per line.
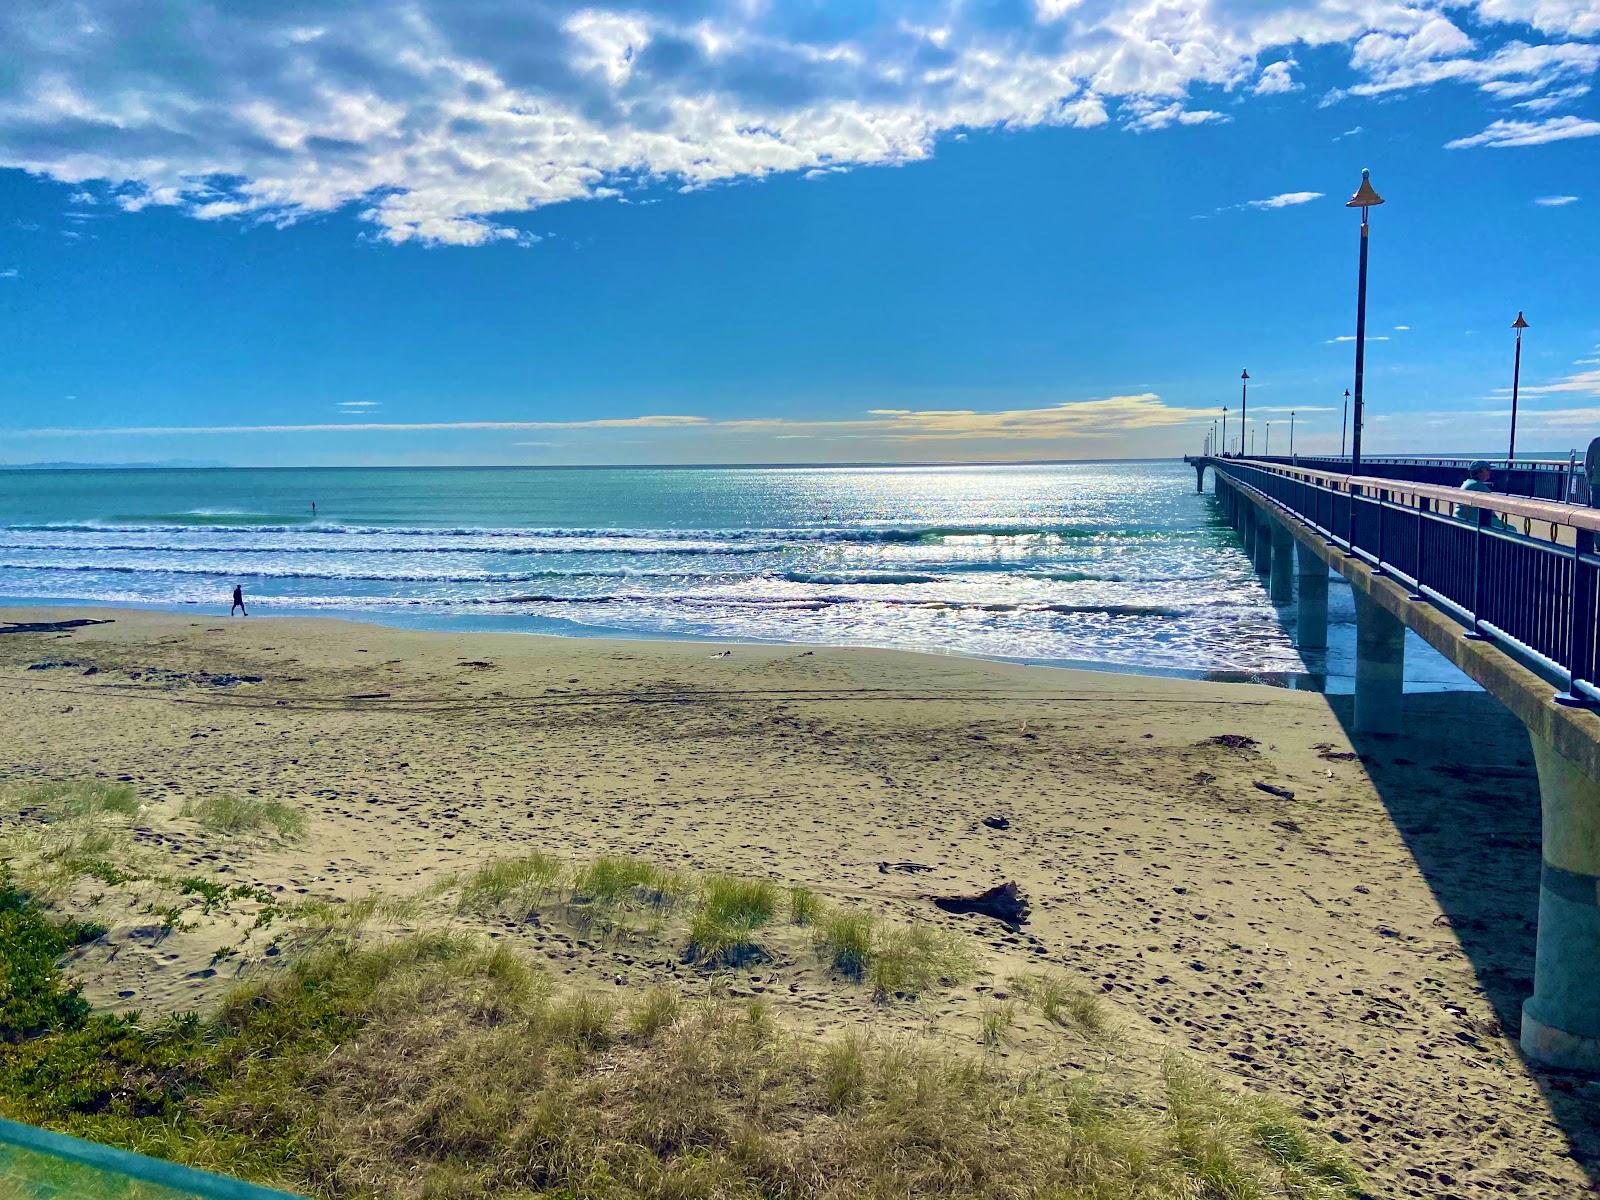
point(1348, 927)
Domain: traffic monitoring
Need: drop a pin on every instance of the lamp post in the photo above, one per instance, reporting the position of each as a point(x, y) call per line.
point(1291, 433)
point(1252, 443)
point(1516, 378)
point(1244, 423)
point(1224, 431)
point(1344, 421)
point(1267, 451)
point(1366, 198)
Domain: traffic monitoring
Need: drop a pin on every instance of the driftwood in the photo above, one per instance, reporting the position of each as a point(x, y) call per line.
point(1004, 903)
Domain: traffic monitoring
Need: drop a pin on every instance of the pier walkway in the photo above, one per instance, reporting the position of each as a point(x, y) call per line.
point(1506, 588)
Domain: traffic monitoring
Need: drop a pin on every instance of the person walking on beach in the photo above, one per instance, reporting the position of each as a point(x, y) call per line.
point(238, 601)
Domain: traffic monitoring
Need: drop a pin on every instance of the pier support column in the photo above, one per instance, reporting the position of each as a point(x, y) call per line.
point(1263, 546)
point(1561, 1021)
point(1380, 667)
point(1282, 590)
point(1247, 528)
point(1311, 586)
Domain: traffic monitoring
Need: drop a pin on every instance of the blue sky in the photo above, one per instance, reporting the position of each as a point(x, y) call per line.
point(494, 232)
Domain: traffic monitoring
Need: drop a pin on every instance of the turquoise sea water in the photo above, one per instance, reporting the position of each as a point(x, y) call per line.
point(1108, 564)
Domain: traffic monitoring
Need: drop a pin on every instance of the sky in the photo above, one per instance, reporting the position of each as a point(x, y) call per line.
point(523, 231)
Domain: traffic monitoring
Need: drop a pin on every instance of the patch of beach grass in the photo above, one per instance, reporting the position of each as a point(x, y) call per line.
point(235, 814)
point(995, 1021)
point(844, 937)
point(436, 1066)
point(78, 798)
point(617, 880)
point(1246, 1146)
point(913, 959)
point(897, 960)
point(512, 887)
point(729, 912)
point(1063, 1003)
point(804, 906)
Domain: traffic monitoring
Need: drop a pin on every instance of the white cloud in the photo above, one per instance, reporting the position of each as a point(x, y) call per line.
point(1284, 200)
point(438, 120)
point(1403, 328)
point(1584, 382)
point(1276, 78)
point(1351, 132)
point(1573, 18)
point(360, 404)
point(10, 273)
point(1528, 133)
point(1350, 337)
point(1077, 419)
point(1555, 201)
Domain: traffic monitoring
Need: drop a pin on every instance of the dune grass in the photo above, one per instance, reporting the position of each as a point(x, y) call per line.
point(83, 798)
point(438, 1067)
point(234, 814)
point(730, 911)
point(1063, 1003)
point(513, 887)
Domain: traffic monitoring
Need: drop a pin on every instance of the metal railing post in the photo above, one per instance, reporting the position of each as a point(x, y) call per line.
point(1477, 572)
point(1580, 628)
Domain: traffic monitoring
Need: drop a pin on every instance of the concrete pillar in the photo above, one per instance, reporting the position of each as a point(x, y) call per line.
point(1199, 478)
point(1561, 1021)
point(1282, 590)
point(1311, 587)
point(1263, 547)
point(1247, 528)
point(1380, 667)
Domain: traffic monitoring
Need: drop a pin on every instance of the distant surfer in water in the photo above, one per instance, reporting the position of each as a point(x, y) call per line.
point(313, 508)
point(238, 600)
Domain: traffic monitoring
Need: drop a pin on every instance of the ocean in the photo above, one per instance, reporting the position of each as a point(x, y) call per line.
point(1116, 565)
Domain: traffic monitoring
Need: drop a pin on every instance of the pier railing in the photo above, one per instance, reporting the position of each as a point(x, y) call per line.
point(1522, 573)
point(1556, 479)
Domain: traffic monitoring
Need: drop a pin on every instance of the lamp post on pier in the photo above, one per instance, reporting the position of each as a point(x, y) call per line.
point(1244, 423)
point(1516, 378)
point(1344, 421)
point(1366, 198)
point(1291, 433)
point(1267, 452)
point(1224, 431)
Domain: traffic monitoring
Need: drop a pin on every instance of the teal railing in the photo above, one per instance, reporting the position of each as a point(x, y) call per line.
point(36, 1164)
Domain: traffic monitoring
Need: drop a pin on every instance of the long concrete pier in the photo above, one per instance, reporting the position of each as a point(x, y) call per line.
point(1295, 552)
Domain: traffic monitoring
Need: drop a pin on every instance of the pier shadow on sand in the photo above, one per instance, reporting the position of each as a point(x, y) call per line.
point(1462, 792)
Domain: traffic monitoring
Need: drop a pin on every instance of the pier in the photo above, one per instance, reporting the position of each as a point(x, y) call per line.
point(1505, 587)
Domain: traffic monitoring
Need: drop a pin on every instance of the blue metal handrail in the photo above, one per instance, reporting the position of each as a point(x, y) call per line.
point(1536, 598)
point(1539, 478)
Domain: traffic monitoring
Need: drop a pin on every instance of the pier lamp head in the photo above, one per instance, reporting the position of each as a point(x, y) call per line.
point(1366, 195)
point(1244, 374)
point(1347, 393)
point(1519, 324)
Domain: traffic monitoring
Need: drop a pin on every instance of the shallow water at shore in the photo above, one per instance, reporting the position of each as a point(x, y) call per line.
point(1114, 565)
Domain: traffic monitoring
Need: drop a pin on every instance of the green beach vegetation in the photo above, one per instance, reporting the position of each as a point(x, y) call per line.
point(391, 1051)
point(435, 1066)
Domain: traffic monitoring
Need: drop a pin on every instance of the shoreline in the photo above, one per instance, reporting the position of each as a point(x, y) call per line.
point(1323, 683)
point(1358, 940)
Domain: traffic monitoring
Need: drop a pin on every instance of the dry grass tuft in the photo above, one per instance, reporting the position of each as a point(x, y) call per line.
point(1063, 1003)
point(512, 887)
point(233, 814)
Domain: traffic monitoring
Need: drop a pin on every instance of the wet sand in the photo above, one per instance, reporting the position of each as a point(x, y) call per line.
point(1360, 948)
